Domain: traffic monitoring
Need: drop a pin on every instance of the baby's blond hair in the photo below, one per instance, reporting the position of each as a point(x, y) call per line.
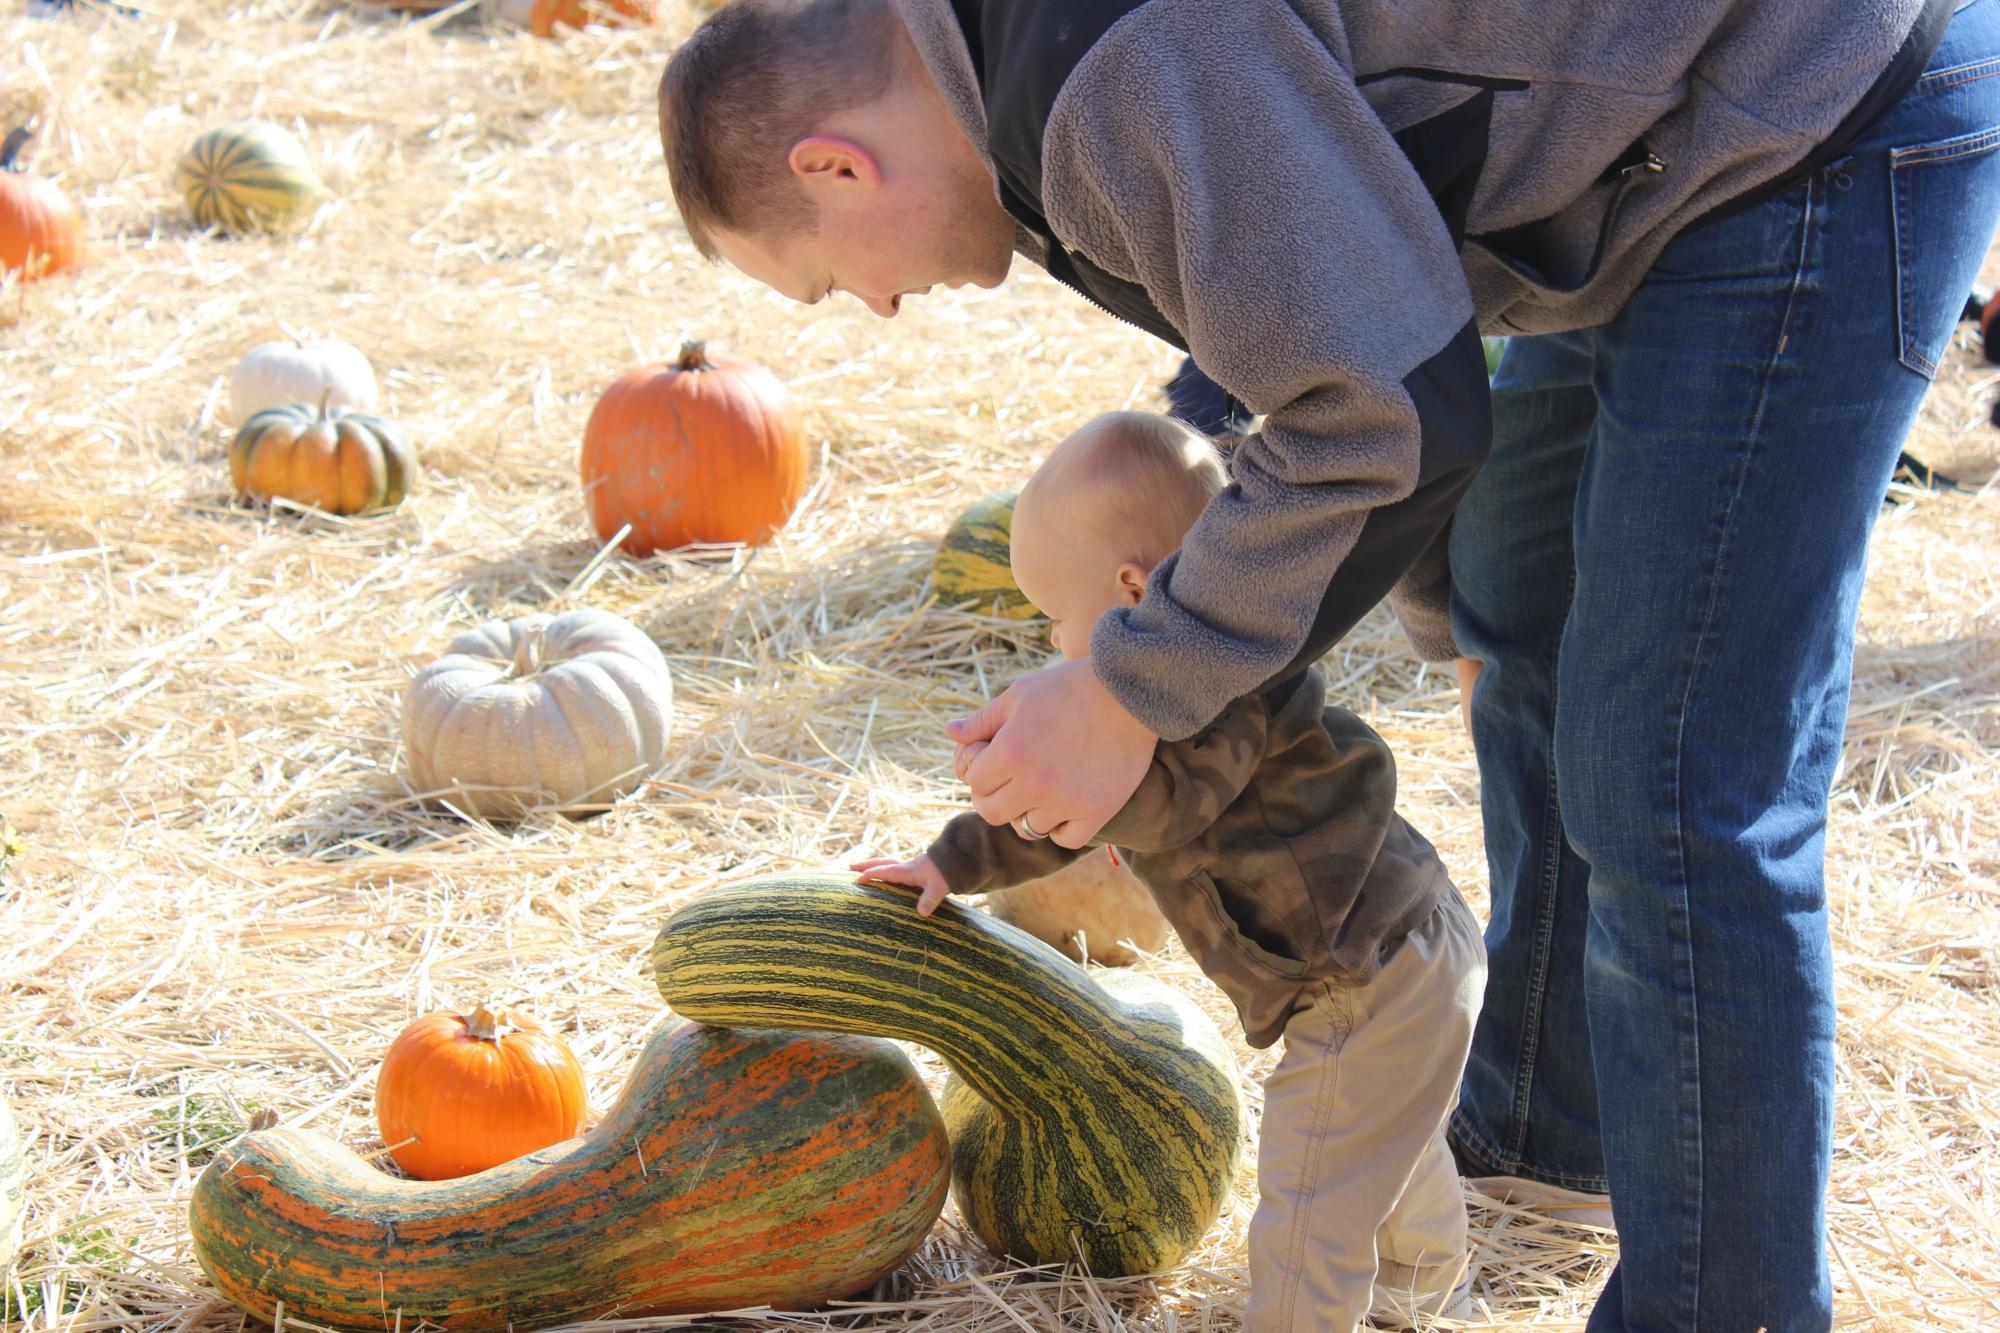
point(1135, 480)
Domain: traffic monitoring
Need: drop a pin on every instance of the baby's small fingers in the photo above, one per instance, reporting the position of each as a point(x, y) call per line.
point(928, 900)
point(962, 757)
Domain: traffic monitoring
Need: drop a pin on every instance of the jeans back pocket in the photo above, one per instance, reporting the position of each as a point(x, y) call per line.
point(1941, 206)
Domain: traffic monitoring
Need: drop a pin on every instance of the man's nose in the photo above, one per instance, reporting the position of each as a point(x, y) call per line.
point(885, 306)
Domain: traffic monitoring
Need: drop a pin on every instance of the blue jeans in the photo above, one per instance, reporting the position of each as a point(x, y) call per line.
point(1659, 568)
point(1198, 400)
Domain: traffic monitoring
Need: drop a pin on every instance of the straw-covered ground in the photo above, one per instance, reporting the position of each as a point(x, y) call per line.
point(219, 896)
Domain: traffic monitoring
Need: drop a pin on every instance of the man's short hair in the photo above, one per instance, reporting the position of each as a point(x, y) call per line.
point(753, 80)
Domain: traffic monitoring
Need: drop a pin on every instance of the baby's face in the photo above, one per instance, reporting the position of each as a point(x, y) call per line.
point(1070, 579)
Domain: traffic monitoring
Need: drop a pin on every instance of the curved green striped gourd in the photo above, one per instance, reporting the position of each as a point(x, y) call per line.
point(737, 1169)
point(972, 568)
point(248, 175)
point(12, 1197)
point(1104, 1122)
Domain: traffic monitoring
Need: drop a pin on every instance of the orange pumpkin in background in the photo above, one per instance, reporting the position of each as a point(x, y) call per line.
point(707, 449)
point(544, 15)
point(41, 231)
point(459, 1093)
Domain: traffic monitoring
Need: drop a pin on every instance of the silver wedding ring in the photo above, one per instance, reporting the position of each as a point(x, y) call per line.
point(1027, 830)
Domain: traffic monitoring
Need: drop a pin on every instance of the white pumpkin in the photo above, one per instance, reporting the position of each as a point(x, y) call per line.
point(278, 374)
point(1091, 907)
point(571, 711)
point(11, 1170)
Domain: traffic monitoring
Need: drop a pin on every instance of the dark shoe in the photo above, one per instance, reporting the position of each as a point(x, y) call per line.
point(1917, 474)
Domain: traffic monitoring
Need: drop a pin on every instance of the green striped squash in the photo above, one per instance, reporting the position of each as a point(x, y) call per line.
point(738, 1169)
point(248, 175)
point(12, 1197)
point(972, 569)
point(1101, 1122)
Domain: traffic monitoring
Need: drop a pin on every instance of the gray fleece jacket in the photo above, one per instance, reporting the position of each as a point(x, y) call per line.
point(1245, 165)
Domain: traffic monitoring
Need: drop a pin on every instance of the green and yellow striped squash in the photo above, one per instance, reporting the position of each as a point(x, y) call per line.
point(248, 175)
point(737, 1169)
point(1096, 1122)
point(12, 1197)
point(971, 568)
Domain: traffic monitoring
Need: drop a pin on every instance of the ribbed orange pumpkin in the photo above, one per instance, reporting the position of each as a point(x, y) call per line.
point(708, 449)
point(340, 461)
point(40, 230)
point(459, 1093)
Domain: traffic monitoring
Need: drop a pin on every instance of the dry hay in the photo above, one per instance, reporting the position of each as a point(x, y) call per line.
point(224, 899)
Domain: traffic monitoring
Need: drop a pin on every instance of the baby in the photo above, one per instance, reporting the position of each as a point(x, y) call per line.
point(1271, 842)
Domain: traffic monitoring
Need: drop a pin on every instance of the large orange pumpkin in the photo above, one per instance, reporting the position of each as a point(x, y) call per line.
point(40, 230)
point(707, 449)
point(459, 1093)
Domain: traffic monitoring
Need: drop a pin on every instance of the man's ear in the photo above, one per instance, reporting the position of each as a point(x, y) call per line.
point(1131, 582)
point(825, 161)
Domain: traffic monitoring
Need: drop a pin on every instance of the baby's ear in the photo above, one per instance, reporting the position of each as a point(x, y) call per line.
point(1132, 582)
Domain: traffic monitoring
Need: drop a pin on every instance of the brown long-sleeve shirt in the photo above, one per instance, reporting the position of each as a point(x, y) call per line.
point(1270, 840)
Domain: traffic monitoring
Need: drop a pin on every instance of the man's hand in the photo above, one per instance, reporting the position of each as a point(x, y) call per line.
point(1468, 672)
point(1055, 756)
point(920, 873)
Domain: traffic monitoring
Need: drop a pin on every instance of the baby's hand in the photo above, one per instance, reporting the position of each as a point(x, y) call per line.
point(962, 756)
point(919, 873)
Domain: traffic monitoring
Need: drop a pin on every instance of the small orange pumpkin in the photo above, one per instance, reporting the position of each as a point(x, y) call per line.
point(546, 14)
point(341, 461)
point(707, 449)
point(40, 230)
point(459, 1093)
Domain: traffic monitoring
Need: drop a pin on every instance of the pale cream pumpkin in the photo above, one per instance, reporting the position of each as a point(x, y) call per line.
point(278, 374)
point(570, 711)
point(1092, 907)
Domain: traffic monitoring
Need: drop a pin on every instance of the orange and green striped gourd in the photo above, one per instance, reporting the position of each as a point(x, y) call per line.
point(738, 1168)
point(1101, 1122)
point(972, 567)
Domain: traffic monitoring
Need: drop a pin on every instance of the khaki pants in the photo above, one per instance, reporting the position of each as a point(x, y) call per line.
point(1352, 1166)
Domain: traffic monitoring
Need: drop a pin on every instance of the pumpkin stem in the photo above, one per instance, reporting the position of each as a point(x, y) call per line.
point(694, 356)
point(527, 654)
point(486, 1025)
point(298, 339)
point(16, 140)
point(325, 397)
